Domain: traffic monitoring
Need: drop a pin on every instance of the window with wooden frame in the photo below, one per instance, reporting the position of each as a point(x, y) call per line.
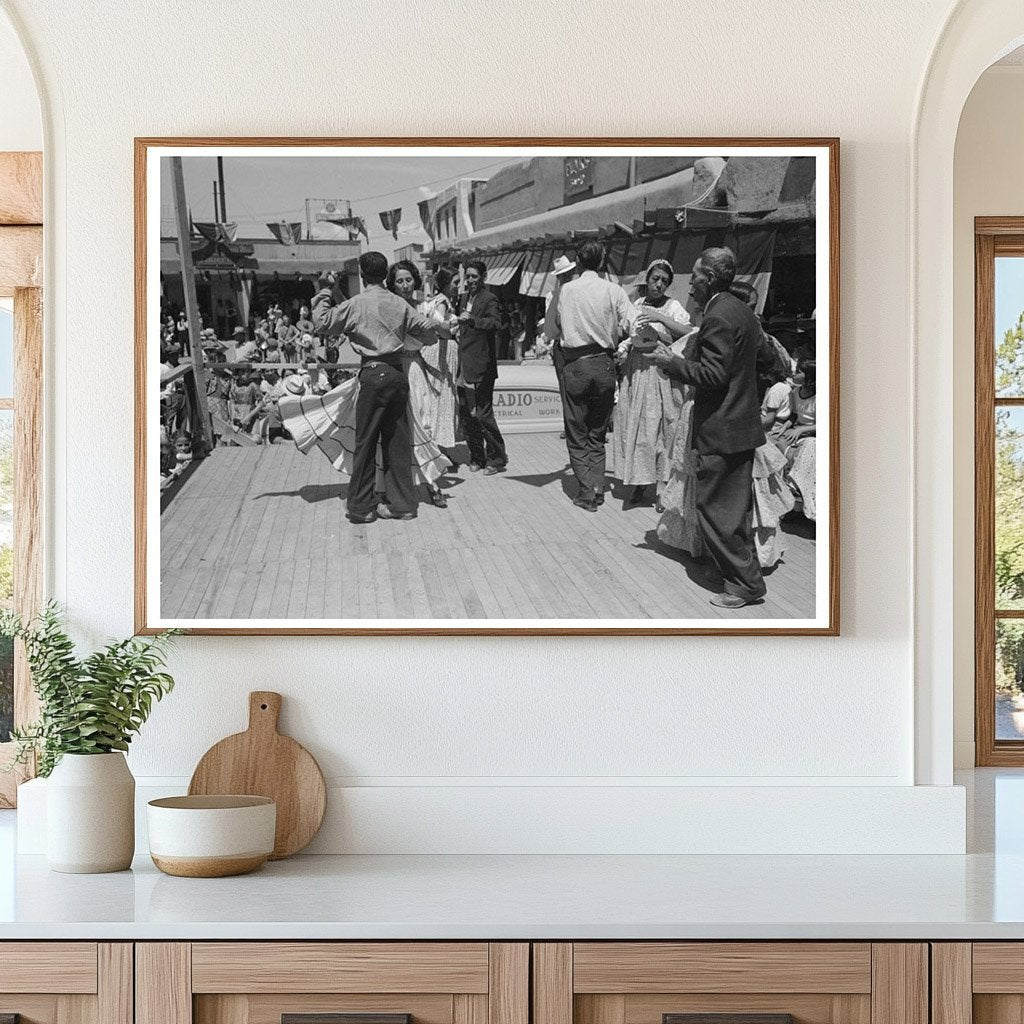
point(999, 490)
point(21, 364)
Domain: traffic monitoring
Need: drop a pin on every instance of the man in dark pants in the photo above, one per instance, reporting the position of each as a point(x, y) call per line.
point(479, 321)
point(726, 423)
point(564, 270)
point(591, 317)
point(377, 324)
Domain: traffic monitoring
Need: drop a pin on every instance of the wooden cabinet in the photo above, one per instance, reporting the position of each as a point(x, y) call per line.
point(512, 983)
point(753, 982)
point(312, 982)
point(977, 983)
point(66, 982)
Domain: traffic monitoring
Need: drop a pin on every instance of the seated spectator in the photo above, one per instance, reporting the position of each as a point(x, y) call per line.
point(797, 441)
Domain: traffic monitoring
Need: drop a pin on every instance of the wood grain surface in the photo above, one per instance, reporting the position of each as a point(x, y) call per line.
point(899, 990)
point(305, 967)
point(21, 259)
point(951, 983)
point(629, 967)
point(262, 762)
point(64, 967)
point(21, 188)
point(163, 983)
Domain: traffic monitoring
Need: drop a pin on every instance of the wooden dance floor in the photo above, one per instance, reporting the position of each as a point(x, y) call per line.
point(260, 533)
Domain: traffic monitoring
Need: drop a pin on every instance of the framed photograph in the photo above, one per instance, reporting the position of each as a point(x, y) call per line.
point(499, 386)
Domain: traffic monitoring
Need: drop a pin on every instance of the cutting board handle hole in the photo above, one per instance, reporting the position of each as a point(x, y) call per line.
point(263, 707)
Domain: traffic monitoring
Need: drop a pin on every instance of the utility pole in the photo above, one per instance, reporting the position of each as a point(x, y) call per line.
point(223, 199)
point(197, 379)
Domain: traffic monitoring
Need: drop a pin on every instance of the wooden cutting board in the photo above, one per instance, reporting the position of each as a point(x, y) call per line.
point(262, 762)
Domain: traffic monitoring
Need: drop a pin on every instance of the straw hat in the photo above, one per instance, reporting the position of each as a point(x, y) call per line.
point(295, 385)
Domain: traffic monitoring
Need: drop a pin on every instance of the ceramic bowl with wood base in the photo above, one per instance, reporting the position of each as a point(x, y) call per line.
point(211, 836)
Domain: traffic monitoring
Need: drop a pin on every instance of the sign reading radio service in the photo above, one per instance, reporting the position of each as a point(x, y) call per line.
point(526, 399)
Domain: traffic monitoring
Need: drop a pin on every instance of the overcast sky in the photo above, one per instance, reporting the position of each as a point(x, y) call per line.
point(268, 189)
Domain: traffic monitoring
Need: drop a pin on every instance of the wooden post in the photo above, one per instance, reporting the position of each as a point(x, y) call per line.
point(188, 283)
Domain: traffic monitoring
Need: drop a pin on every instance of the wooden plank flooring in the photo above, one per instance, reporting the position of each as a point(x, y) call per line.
point(260, 533)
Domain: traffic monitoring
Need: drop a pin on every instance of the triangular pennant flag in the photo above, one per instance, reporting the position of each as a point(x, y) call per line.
point(426, 209)
point(389, 219)
point(287, 233)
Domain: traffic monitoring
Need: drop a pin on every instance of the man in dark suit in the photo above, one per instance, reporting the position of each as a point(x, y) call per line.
point(479, 321)
point(726, 423)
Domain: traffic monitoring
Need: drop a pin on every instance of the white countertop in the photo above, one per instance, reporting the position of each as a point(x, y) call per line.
point(516, 897)
point(977, 896)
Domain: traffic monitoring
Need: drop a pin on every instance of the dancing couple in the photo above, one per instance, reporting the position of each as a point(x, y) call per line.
point(371, 411)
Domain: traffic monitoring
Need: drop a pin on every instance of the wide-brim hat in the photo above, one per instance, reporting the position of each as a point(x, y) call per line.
point(562, 265)
point(294, 385)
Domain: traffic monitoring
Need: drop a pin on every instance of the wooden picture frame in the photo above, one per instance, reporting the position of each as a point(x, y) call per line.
point(823, 224)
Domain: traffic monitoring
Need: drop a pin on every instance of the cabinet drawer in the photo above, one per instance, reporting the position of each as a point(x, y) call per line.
point(64, 967)
point(635, 967)
point(730, 983)
point(332, 983)
point(66, 982)
point(340, 967)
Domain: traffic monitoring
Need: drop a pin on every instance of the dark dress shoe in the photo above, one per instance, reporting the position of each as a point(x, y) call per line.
point(356, 517)
point(495, 467)
point(730, 601)
point(599, 498)
point(587, 504)
point(438, 499)
point(387, 512)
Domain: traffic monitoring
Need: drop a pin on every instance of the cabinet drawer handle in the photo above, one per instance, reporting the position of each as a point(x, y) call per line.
point(727, 1018)
point(338, 1018)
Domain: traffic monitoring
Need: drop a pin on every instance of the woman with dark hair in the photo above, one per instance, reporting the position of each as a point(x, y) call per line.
point(441, 401)
point(647, 412)
point(404, 280)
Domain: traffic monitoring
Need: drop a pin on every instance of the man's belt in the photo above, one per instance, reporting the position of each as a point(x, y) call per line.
point(582, 351)
point(392, 359)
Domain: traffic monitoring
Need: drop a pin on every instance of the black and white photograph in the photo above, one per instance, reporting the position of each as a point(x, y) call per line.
point(550, 387)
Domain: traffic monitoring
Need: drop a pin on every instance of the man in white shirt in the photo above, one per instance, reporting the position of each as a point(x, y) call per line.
point(592, 317)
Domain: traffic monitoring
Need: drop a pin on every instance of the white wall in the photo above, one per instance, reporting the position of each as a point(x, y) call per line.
point(436, 713)
point(21, 126)
point(987, 181)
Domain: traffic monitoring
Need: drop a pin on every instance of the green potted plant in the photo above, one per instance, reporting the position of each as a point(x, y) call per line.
point(89, 709)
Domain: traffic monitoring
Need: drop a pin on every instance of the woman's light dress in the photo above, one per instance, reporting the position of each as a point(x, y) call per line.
point(432, 379)
point(328, 422)
point(648, 407)
point(801, 455)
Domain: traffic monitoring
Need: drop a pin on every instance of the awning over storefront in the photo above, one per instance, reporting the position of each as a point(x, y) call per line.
point(626, 206)
point(266, 267)
point(629, 258)
point(502, 267)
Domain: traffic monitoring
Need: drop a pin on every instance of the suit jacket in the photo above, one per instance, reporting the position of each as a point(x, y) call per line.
point(723, 371)
point(478, 345)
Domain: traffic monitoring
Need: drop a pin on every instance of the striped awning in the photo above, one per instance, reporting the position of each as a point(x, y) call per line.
point(502, 267)
point(537, 276)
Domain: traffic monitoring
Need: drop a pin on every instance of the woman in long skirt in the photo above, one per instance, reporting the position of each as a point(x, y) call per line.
point(424, 380)
point(649, 404)
point(438, 400)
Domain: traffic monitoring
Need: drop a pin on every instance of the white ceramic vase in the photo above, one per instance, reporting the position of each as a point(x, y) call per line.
point(90, 814)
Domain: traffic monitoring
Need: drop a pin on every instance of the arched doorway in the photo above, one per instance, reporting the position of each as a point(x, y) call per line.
point(976, 34)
